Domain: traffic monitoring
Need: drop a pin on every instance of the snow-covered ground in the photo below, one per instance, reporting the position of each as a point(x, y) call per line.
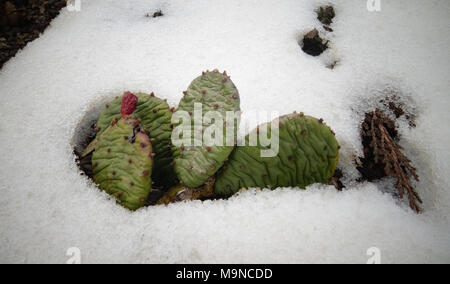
point(109, 46)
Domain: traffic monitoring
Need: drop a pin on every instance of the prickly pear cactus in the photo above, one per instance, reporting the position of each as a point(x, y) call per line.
point(215, 91)
point(122, 163)
point(155, 116)
point(308, 153)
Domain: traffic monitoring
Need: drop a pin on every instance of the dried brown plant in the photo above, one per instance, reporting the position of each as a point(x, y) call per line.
point(382, 152)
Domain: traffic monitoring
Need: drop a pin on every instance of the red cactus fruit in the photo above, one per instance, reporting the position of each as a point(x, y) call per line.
point(129, 103)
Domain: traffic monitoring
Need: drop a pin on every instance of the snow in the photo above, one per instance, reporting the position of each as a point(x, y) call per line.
point(108, 47)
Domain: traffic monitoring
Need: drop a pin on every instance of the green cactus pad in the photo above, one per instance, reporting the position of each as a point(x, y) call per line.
point(155, 116)
point(308, 153)
point(216, 92)
point(122, 163)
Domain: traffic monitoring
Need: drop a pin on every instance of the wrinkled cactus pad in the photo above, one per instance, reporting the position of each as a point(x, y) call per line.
point(308, 153)
point(155, 116)
point(215, 92)
point(122, 163)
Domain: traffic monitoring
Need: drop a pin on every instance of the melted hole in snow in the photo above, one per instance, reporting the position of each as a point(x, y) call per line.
point(313, 44)
point(84, 134)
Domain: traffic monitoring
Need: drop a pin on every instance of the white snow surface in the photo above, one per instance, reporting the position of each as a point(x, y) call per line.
point(108, 47)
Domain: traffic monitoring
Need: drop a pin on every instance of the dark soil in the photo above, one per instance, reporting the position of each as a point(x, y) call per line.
point(313, 44)
point(398, 109)
point(22, 21)
point(336, 180)
point(383, 156)
point(85, 163)
point(325, 15)
point(156, 14)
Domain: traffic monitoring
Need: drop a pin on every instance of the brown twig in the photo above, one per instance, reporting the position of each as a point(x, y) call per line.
point(399, 166)
point(387, 152)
